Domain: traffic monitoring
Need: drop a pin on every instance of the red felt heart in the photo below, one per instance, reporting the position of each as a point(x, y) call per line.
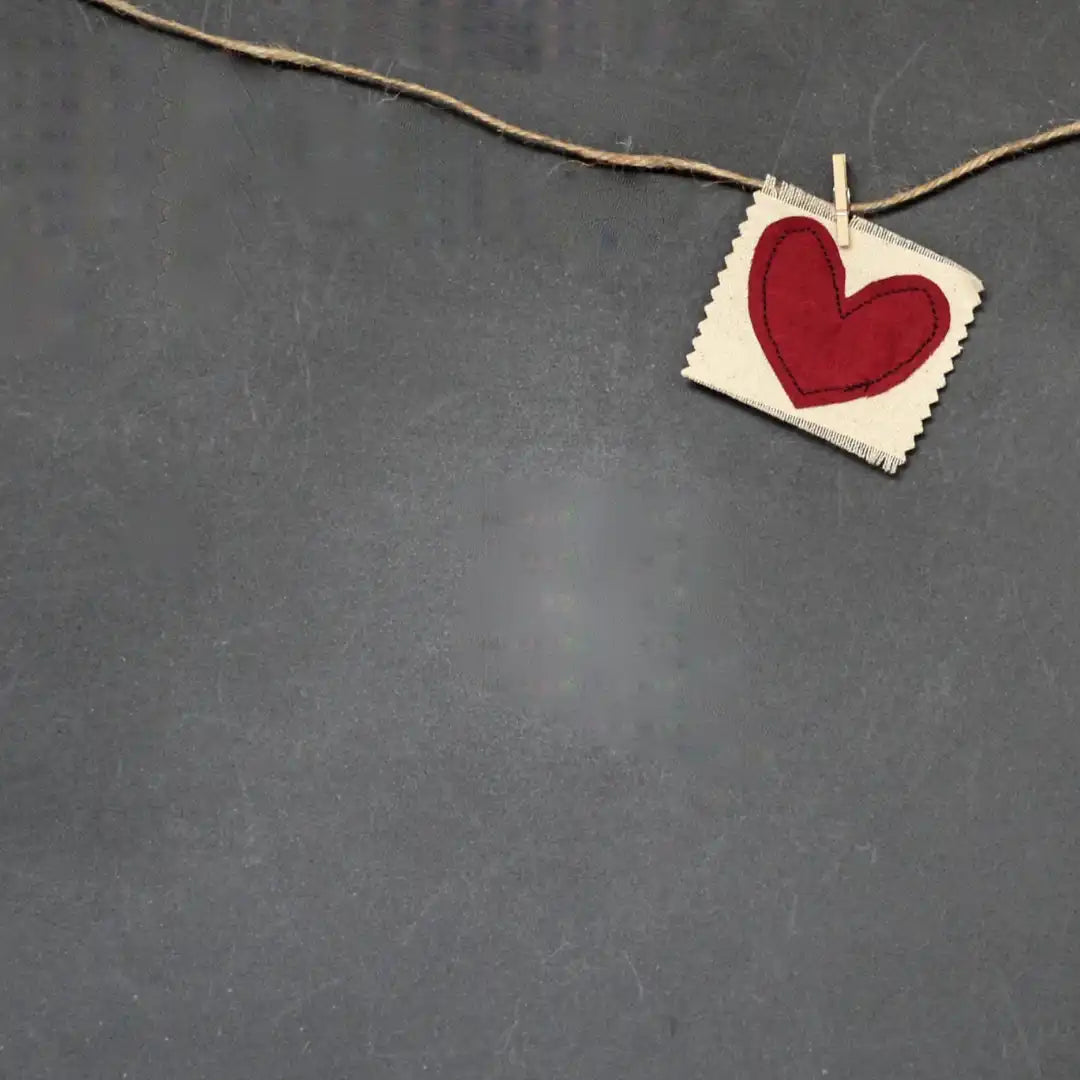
point(826, 347)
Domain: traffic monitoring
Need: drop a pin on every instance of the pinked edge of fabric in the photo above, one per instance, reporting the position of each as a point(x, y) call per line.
point(957, 349)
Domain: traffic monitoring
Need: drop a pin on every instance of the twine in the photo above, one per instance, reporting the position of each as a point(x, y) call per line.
point(589, 155)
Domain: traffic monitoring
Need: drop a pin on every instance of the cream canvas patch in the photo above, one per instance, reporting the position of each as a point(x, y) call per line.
point(850, 344)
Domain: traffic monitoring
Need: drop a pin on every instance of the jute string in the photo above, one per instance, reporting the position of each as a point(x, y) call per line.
point(590, 155)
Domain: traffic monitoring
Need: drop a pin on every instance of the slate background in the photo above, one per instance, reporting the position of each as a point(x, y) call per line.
point(403, 672)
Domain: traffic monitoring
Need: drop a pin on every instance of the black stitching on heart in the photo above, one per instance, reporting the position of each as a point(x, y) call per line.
point(839, 310)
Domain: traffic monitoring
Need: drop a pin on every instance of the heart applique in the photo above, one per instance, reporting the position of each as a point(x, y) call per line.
point(824, 346)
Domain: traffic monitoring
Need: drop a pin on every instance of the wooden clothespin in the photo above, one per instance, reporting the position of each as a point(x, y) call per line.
point(842, 197)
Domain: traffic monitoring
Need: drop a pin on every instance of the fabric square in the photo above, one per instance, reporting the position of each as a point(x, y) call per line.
point(852, 345)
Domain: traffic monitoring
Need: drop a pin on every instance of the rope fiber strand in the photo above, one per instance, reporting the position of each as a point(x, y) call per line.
point(590, 155)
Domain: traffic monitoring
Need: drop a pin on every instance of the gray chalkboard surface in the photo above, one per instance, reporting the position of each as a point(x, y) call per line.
point(404, 672)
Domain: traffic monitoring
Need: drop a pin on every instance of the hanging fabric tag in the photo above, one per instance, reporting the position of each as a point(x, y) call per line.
point(851, 345)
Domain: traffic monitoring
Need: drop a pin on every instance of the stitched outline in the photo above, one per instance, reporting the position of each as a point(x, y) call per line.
point(812, 228)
